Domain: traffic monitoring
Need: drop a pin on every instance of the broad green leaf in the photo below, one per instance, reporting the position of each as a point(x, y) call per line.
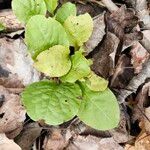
point(42, 33)
point(99, 110)
point(80, 68)
point(65, 11)
point(54, 62)
point(96, 83)
point(2, 27)
point(51, 5)
point(52, 102)
point(25, 9)
point(79, 29)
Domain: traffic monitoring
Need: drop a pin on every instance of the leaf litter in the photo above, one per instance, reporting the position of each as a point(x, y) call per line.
point(119, 48)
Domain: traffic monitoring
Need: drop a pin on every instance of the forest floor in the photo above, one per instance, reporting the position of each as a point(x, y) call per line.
point(120, 46)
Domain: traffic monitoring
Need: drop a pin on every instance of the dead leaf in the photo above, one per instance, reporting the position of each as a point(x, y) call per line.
point(12, 113)
point(102, 62)
point(139, 57)
point(135, 82)
point(143, 142)
point(121, 22)
point(97, 34)
point(28, 135)
point(123, 72)
point(139, 54)
point(147, 120)
point(55, 141)
point(10, 21)
point(146, 89)
point(6, 144)
point(93, 143)
point(15, 60)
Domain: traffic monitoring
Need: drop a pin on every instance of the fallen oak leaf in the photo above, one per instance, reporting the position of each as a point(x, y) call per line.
point(12, 112)
point(6, 144)
point(28, 135)
point(135, 82)
point(97, 34)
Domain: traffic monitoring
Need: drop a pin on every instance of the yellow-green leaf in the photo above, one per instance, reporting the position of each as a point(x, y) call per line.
point(100, 110)
point(42, 33)
point(54, 62)
point(54, 103)
point(96, 83)
point(25, 9)
point(79, 29)
point(51, 5)
point(65, 11)
point(80, 68)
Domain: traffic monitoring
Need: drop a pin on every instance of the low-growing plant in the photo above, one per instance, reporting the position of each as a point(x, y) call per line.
point(77, 91)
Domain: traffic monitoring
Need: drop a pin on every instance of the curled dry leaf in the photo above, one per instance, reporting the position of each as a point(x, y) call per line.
point(139, 56)
point(15, 60)
point(12, 114)
point(121, 22)
point(97, 34)
point(55, 141)
point(139, 53)
point(6, 144)
point(135, 82)
point(143, 12)
point(28, 135)
point(102, 62)
point(10, 21)
point(93, 143)
point(147, 120)
point(141, 143)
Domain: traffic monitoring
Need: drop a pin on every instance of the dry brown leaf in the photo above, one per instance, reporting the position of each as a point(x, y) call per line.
point(10, 21)
point(15, 60)
point(12, 113)
point(93, 143)
point(139, 53)
point(28, 135)
point(129, 147)
point(102, 62)
point(143, 142)
point(55, 141)
point(6, 144)
point(146, 89)
point(97, 34)
point(147, 121)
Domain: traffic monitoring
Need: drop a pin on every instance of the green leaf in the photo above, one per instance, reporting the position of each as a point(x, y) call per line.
point(42, 33)
point(51, 5)
point(25, 9)
point(79, 29)
point(99, 110)
point(2, 27)
point(96, 83)
point(65, 11)
point(54, 62)
point(52, 102)
point(80, 68)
